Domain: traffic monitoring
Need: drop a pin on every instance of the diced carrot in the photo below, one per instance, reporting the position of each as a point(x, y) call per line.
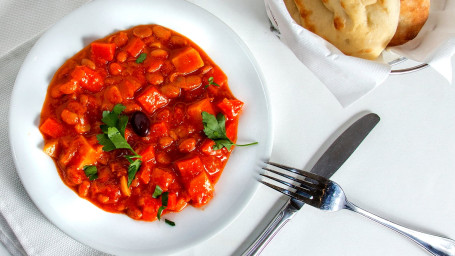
point(190, 167)
point(231, 130)
point(171, 201)
point(207, 148)
point(150, 208)
point(159, 130)
point(113, 95)
point(151, 99)
point(161, 178)
point(129, 87)
point(147, 153)
point(181, 203)
point(187, 60)
point(195, 110)
point(231, 108)
point(51, 148)
point(200, 190)
point(218, 76)
point(87, 78)
point(212, 164)
point(144, 172)
point(102, 51)
point(135, 46)
point(80, 153)
point(52, 128)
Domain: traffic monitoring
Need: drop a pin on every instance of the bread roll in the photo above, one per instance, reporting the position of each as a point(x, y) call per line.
point(413, 15)
point(360, 28)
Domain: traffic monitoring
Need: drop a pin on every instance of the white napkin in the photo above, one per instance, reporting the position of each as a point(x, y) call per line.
point(350, 78)
point(23, 229)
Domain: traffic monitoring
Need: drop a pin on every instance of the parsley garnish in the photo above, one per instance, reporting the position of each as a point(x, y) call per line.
point(211, 82)
point(132, 169)
point(164, 199)
point(91, 172)
point(171, 223)
point(160, 210)
point(158, 191)
point(163, 204)
point(215, 129)
point(141, 57)
point(113, 137)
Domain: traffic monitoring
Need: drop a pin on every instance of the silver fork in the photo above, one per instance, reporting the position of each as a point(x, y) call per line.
point(327, 195)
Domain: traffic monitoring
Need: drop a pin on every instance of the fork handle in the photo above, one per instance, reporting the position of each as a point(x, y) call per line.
point(436, 245)
point(282, 217)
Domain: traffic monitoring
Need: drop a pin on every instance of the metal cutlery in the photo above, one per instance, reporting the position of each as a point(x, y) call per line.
point(327, 195)
point(334, 157)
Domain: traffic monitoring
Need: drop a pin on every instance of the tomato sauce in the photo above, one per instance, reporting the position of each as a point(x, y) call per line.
point(160, 74)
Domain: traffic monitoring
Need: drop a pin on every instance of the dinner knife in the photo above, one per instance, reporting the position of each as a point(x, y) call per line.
point(332, 159)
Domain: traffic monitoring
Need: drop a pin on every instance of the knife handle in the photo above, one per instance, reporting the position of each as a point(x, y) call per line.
point(281, 218)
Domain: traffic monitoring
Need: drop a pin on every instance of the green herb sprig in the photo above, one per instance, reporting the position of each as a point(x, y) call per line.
point(141, 57)
point(164, 199)
point(211, 82)
point(215, 129)
point(113, 137)
point(91, 172)
point(163, 204)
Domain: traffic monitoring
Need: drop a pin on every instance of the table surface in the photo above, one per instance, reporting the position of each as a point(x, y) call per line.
point(404, 170)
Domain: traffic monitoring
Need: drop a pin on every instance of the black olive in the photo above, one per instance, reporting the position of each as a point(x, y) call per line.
point(140, 123)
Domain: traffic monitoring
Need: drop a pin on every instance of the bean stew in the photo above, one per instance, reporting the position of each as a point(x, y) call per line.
point(126, 121)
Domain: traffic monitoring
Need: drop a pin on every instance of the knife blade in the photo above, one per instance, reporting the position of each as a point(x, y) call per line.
point(332, 159)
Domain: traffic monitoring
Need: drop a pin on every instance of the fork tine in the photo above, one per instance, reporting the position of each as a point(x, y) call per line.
point(307, 191)
point(300, 172)
point(289, 193)
point(303, 182)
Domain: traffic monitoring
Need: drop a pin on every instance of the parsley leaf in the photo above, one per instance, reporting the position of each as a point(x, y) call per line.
point(104, 140)
point(215, 129)
point(160, 210)
point(121, 126)
point(141, 57)
point(110, 118)
point(164, 197)
point(169, 222)
point(158, 191)
point(113, 137)
point(91, 172)
point(117, 139)
point(211, 82)
point(163, 206)
point(132, 170)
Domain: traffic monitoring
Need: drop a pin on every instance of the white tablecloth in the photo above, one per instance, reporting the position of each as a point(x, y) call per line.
point(404, 170)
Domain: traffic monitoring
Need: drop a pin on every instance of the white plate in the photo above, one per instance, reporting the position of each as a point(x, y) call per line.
point(116, 233)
